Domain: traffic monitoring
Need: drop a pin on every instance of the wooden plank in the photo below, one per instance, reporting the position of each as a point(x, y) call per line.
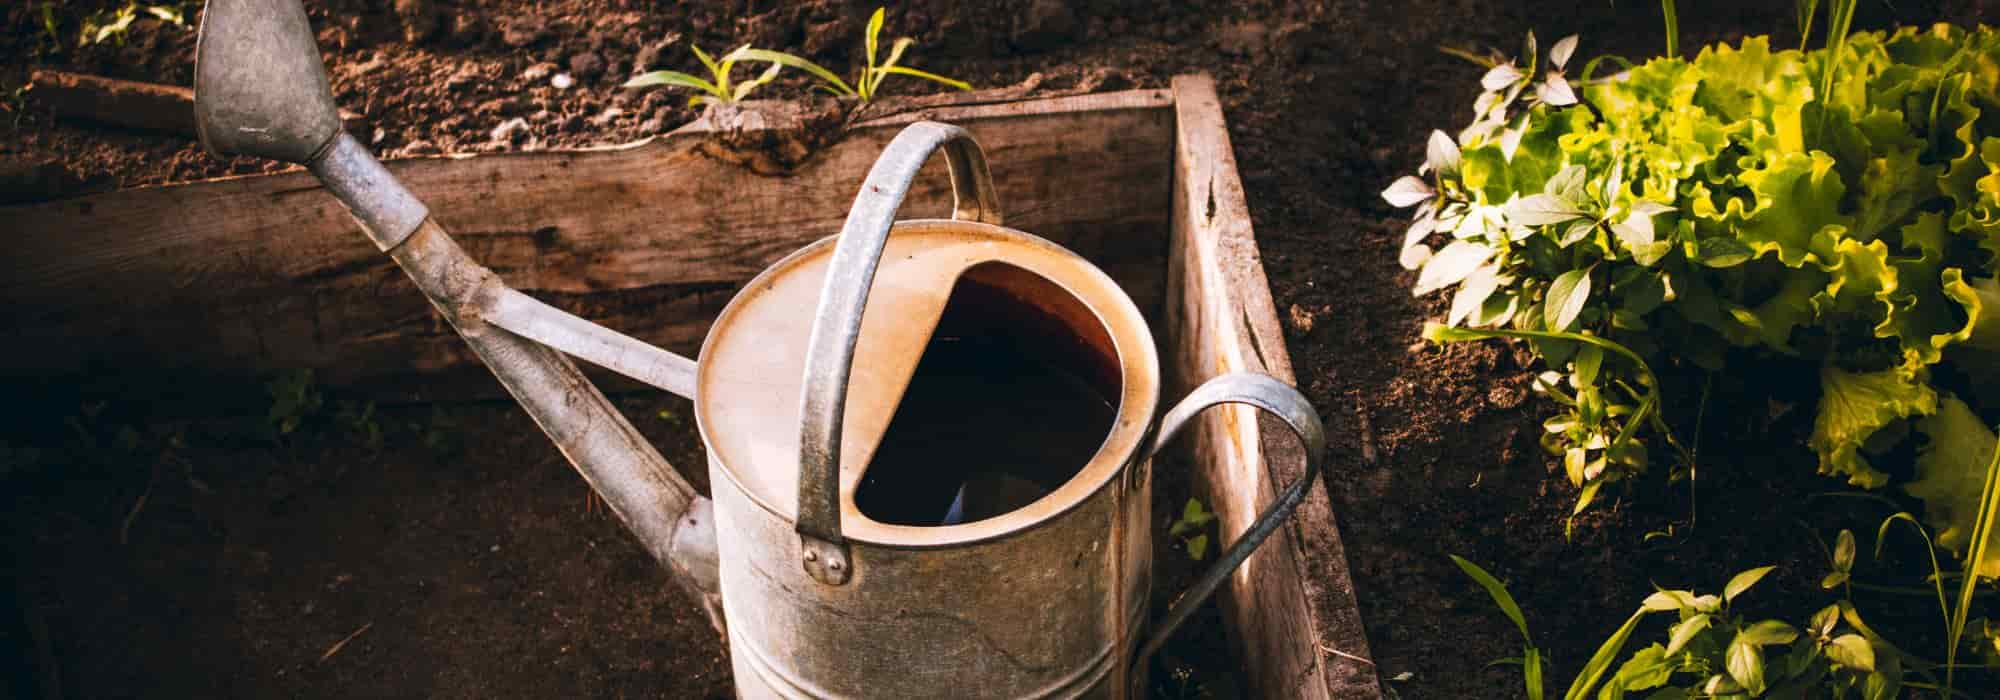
point(240, 277)
point(1293, 600)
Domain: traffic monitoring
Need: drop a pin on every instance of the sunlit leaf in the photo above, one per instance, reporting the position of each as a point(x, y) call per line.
point(1560, 52)
point(1450, 265)
point(1408, 190)
point(1743, 581)
point(1567, 296)
point(1852, 651)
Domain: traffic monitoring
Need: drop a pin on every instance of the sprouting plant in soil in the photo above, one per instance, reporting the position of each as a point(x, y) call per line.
point(112, 24)
point(868, 79)
point(717, 88)
point(294, 400)
point(1192, 528)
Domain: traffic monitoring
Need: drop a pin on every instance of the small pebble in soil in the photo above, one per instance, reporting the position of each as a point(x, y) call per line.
point(605, 117)
point(586, 65)
point(562, 81)
point(510, 131)
point(466, 76)
point(541, 69)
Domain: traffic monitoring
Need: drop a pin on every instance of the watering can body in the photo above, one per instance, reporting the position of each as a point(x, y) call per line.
point(1047, 600)
point(796, 385)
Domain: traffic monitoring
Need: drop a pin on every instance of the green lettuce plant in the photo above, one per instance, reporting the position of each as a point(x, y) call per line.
point(1837, 207)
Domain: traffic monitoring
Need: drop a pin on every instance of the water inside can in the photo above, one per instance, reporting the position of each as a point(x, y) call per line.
point(1016, 391)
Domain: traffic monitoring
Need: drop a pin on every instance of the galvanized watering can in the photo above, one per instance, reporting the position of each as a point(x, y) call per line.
point(846, 562)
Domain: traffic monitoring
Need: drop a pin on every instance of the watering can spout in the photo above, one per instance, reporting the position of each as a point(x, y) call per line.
point(261, 90)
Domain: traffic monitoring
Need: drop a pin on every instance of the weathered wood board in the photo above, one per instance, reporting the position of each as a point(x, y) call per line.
point(237, 278)
point(1292, 604)
point(245, 276)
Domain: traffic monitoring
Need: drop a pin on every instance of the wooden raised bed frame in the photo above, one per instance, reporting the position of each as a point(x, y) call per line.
point(238, 278)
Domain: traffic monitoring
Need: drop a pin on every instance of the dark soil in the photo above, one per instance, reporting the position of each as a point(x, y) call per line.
point(246, 567)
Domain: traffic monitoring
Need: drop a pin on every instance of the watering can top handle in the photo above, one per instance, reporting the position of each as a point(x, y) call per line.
point(837, 323)
point(1272, 396)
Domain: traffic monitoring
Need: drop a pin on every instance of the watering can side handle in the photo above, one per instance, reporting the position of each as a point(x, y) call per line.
point(1272, 396)
point(837, 323)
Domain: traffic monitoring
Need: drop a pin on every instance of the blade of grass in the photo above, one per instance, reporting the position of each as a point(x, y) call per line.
point(1975, 559)
point(745, 88)
point(881, 72)
point(671, 77)
point(873, 40)
point(720, 72)
point(1937, 574)
point(933, 77)
point(1531, 658)
point(833, 82)
point(1673, 22)
point(1593, 672)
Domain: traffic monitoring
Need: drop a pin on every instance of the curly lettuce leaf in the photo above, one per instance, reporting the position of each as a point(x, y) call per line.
point(1852, 406)
point(1797, 203)
point(1951, 477)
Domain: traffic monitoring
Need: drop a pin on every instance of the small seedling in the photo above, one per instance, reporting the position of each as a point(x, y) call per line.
point(294, 400)
point(717, 89)
point(112, 24)
point(358, 419)
point(868, 83)
point(1192, 528)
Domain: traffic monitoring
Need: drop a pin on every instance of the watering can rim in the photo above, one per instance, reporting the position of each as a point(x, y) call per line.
point(1139, 370)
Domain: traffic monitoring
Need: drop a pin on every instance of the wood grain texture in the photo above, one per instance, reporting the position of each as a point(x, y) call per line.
point(237, 278)
point(1293, 599)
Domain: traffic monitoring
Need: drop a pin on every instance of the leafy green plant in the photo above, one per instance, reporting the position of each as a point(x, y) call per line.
point(717, 89)
point(1531, 657)
point(1683, 210)
point(1711, 652)
point(1192, 528)
point(868, 81)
